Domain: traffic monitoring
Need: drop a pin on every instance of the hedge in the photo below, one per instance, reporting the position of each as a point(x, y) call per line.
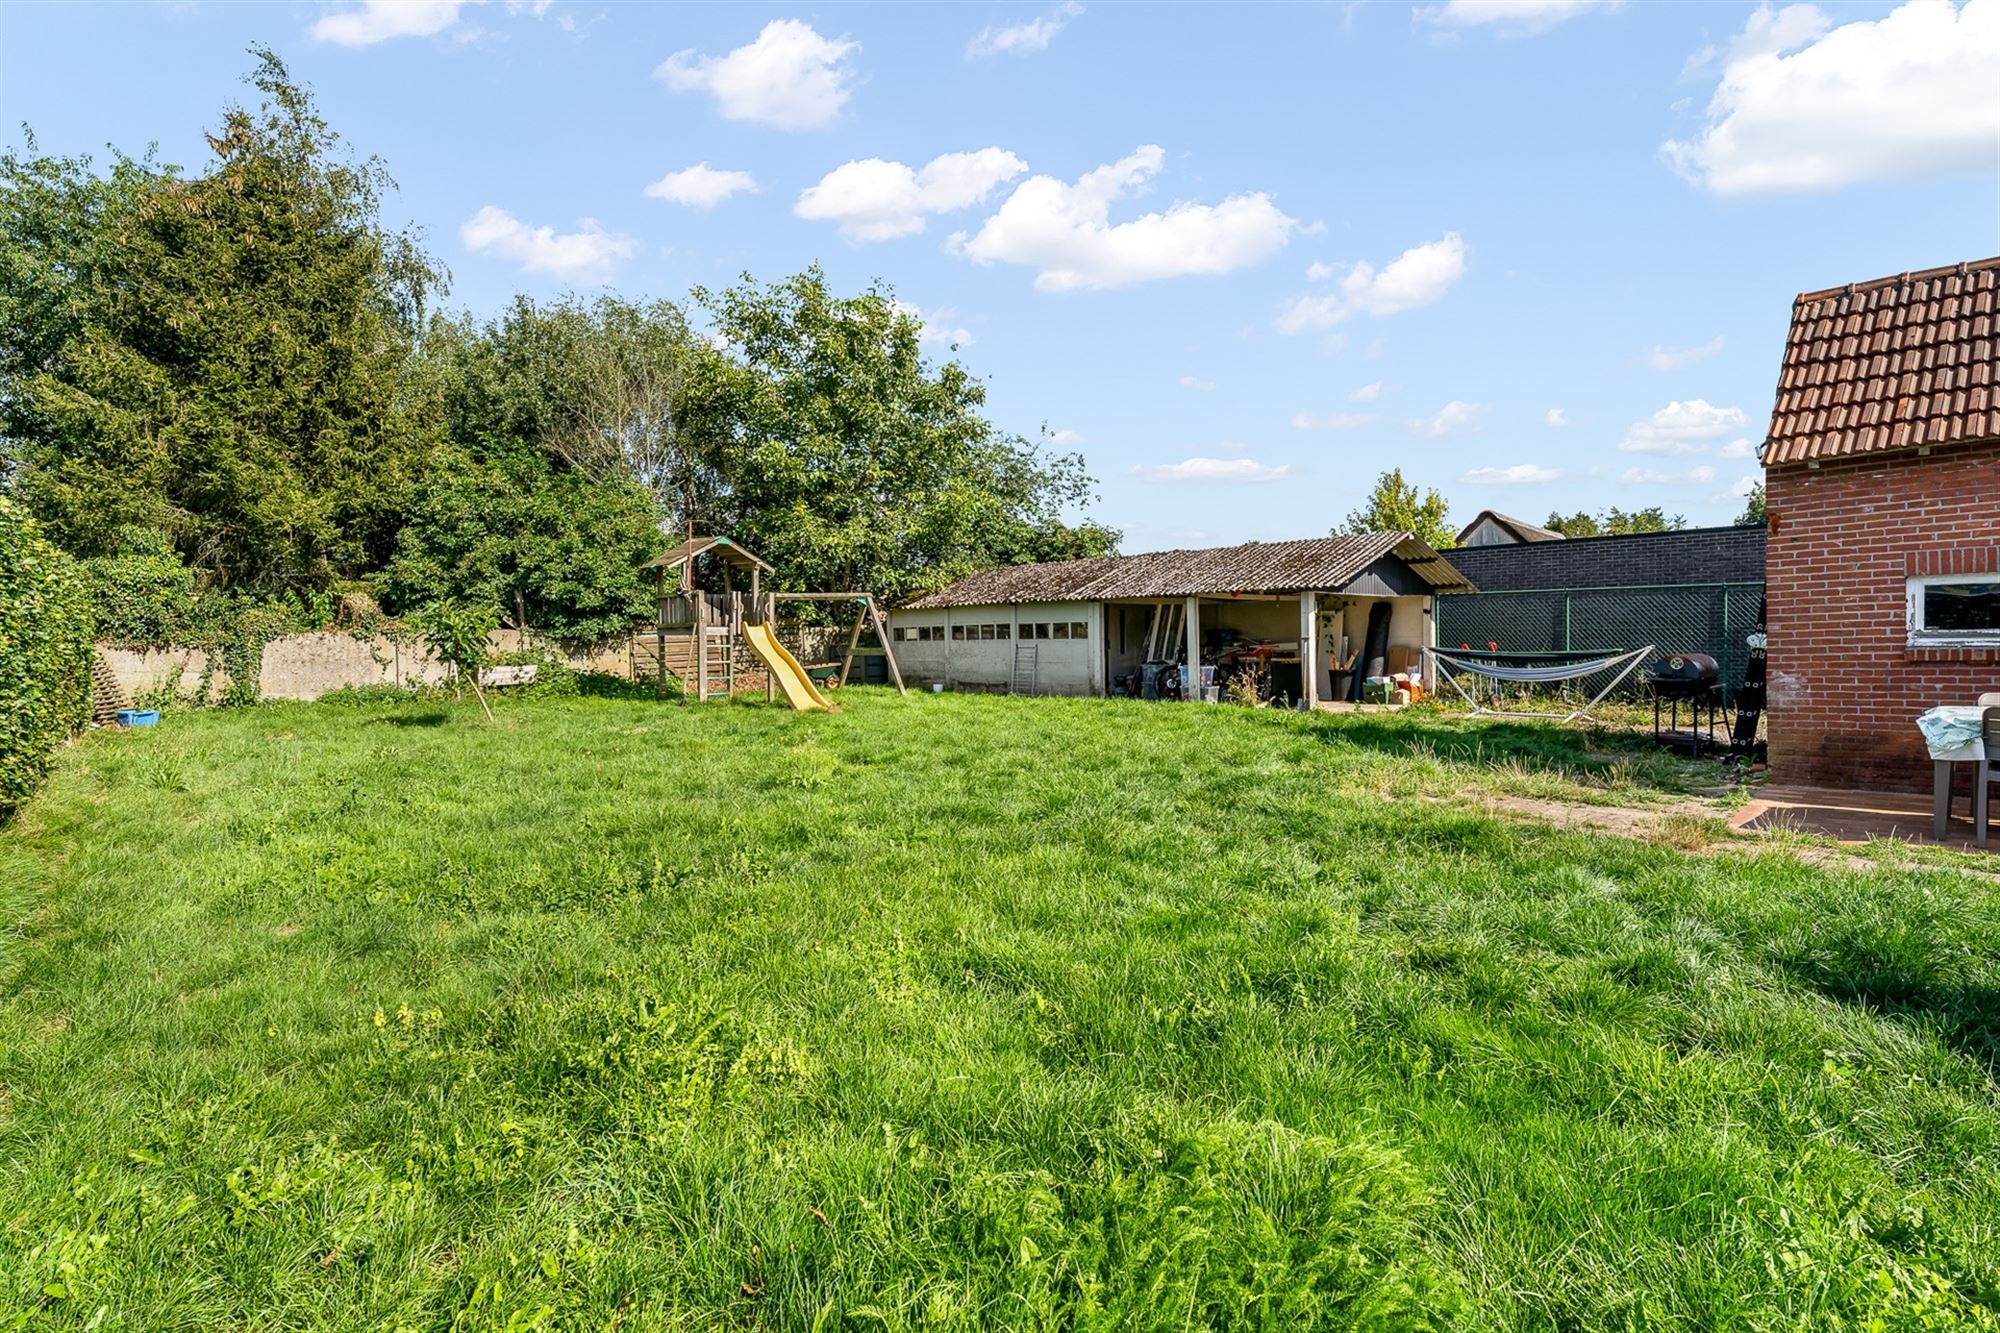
point(45, 647)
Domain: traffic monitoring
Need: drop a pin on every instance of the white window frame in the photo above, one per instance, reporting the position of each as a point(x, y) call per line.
point(1919, 637)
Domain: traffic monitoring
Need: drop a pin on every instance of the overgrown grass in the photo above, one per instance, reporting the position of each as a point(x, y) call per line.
point(959, 1013)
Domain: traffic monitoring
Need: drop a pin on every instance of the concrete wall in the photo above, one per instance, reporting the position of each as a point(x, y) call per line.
point(306, 666)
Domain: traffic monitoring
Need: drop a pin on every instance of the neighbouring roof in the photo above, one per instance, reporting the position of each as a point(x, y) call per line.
point(1325, 563)
point(741, 557)
point(1890, 364)
point(1523, 530)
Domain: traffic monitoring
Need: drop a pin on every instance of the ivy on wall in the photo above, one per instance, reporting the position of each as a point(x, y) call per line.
point(45, 647)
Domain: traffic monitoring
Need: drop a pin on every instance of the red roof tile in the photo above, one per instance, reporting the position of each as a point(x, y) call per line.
point(1890, 364)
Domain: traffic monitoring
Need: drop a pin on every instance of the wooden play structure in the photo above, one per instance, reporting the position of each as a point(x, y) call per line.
point(717, 641)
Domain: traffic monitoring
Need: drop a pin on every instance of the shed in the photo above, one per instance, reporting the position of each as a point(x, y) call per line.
point(1088, 627)
point(1882, 493)
point(1493, 528)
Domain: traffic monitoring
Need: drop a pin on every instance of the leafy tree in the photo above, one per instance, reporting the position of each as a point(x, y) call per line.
point(516, 530)
point(837, 452)
point(458, 633)
point(215, 358)
point(1615, 522)
point(1753, 508)
point(516, 510)
point(1396, 505)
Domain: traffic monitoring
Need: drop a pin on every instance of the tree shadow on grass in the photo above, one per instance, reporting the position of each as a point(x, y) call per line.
point(1479, 741)
point(1911, 962)
point(1964, 1017)
point(414, 719)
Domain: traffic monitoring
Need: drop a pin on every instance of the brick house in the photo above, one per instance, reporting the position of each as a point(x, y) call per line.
point(1882, 487)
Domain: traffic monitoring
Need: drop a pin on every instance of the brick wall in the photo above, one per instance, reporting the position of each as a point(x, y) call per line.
point(1694, 555)
point(1845, 687)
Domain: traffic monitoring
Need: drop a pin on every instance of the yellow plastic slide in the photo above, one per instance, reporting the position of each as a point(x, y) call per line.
point(799, 691)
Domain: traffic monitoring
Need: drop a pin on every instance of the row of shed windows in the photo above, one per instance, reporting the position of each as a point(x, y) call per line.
point(1040, 629)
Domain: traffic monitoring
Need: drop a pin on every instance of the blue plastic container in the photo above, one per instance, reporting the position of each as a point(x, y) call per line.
point(138, 717)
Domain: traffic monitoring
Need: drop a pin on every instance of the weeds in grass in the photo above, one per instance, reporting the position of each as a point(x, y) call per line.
point(963, 1014)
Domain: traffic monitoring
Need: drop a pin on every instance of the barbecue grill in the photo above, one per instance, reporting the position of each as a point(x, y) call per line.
point(1693, 679)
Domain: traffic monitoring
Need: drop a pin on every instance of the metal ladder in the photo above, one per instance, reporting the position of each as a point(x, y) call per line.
point(1025, 667)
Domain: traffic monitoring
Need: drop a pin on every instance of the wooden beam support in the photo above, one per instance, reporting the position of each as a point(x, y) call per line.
point(1308, 649)
point(1193, 694)
point(882, 633)
point(853, 642)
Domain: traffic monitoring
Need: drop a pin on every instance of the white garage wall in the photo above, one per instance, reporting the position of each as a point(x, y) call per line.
point(1063, 666)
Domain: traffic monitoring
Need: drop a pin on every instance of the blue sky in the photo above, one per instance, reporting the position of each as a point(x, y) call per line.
point(1539, 255)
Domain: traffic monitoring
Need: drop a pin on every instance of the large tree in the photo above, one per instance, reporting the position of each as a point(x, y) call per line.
point(846, 458)
point(529, 506)
point(216, 358)
point(1396, 505)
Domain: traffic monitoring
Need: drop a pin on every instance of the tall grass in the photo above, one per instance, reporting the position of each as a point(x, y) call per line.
point(959, 1013)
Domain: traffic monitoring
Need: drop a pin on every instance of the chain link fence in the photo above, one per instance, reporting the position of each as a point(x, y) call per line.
point(1710, 618)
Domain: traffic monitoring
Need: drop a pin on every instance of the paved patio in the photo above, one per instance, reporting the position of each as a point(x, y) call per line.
point(1858, 816)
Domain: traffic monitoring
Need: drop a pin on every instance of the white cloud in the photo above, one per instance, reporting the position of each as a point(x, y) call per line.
point(1737, 449)
point(1661, 358)
point(1521, 474)
point(1645, 476)
point(587, 254)
point(1524, 16)
point(1556, 418)
point(701, 186)
point(1417, 277)
point(790, 77)
point(1453, 417)
point(380, 20)
point(1023, 38)
point(1319, 271)
point(1368, 393)
point(936, 328)
point(1064, 230)
point(1745, 484)
point(1804, 105)
point(1332, 421)
point(1681, 428)
point(874, 200)
point(1068, 437)
point(1214, 469)
point(1197, 384)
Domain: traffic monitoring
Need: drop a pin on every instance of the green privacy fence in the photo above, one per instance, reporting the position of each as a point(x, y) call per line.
point(1710, 618)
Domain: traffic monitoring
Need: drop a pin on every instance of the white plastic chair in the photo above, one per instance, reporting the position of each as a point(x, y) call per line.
point(1988, 772)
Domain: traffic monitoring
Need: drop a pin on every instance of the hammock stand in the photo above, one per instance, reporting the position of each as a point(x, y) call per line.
point(1474, 666)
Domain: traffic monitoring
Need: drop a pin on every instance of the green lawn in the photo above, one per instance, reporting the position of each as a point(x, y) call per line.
point(961, 1013)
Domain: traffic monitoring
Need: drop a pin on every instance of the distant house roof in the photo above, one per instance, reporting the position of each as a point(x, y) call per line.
point(1523, 530)
point(1890, 364)
point(1267, 567)
point(740, 556)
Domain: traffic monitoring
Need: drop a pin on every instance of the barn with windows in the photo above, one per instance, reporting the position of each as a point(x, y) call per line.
point(1300, 621)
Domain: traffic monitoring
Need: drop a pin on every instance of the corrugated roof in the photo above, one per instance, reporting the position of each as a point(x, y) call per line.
point(1523, 530)
point(740, 556)
point(1266, 567)
point(1890, 364)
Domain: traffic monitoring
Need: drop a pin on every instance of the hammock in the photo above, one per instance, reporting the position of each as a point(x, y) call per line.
point(1473, 666)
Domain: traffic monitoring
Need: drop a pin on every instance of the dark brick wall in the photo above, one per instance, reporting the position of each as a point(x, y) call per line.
point(1695, 555)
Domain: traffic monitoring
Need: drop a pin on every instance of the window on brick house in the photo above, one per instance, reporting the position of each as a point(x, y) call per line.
point(1951, 610)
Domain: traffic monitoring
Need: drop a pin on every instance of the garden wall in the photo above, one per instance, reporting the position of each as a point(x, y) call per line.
point(306, 666)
